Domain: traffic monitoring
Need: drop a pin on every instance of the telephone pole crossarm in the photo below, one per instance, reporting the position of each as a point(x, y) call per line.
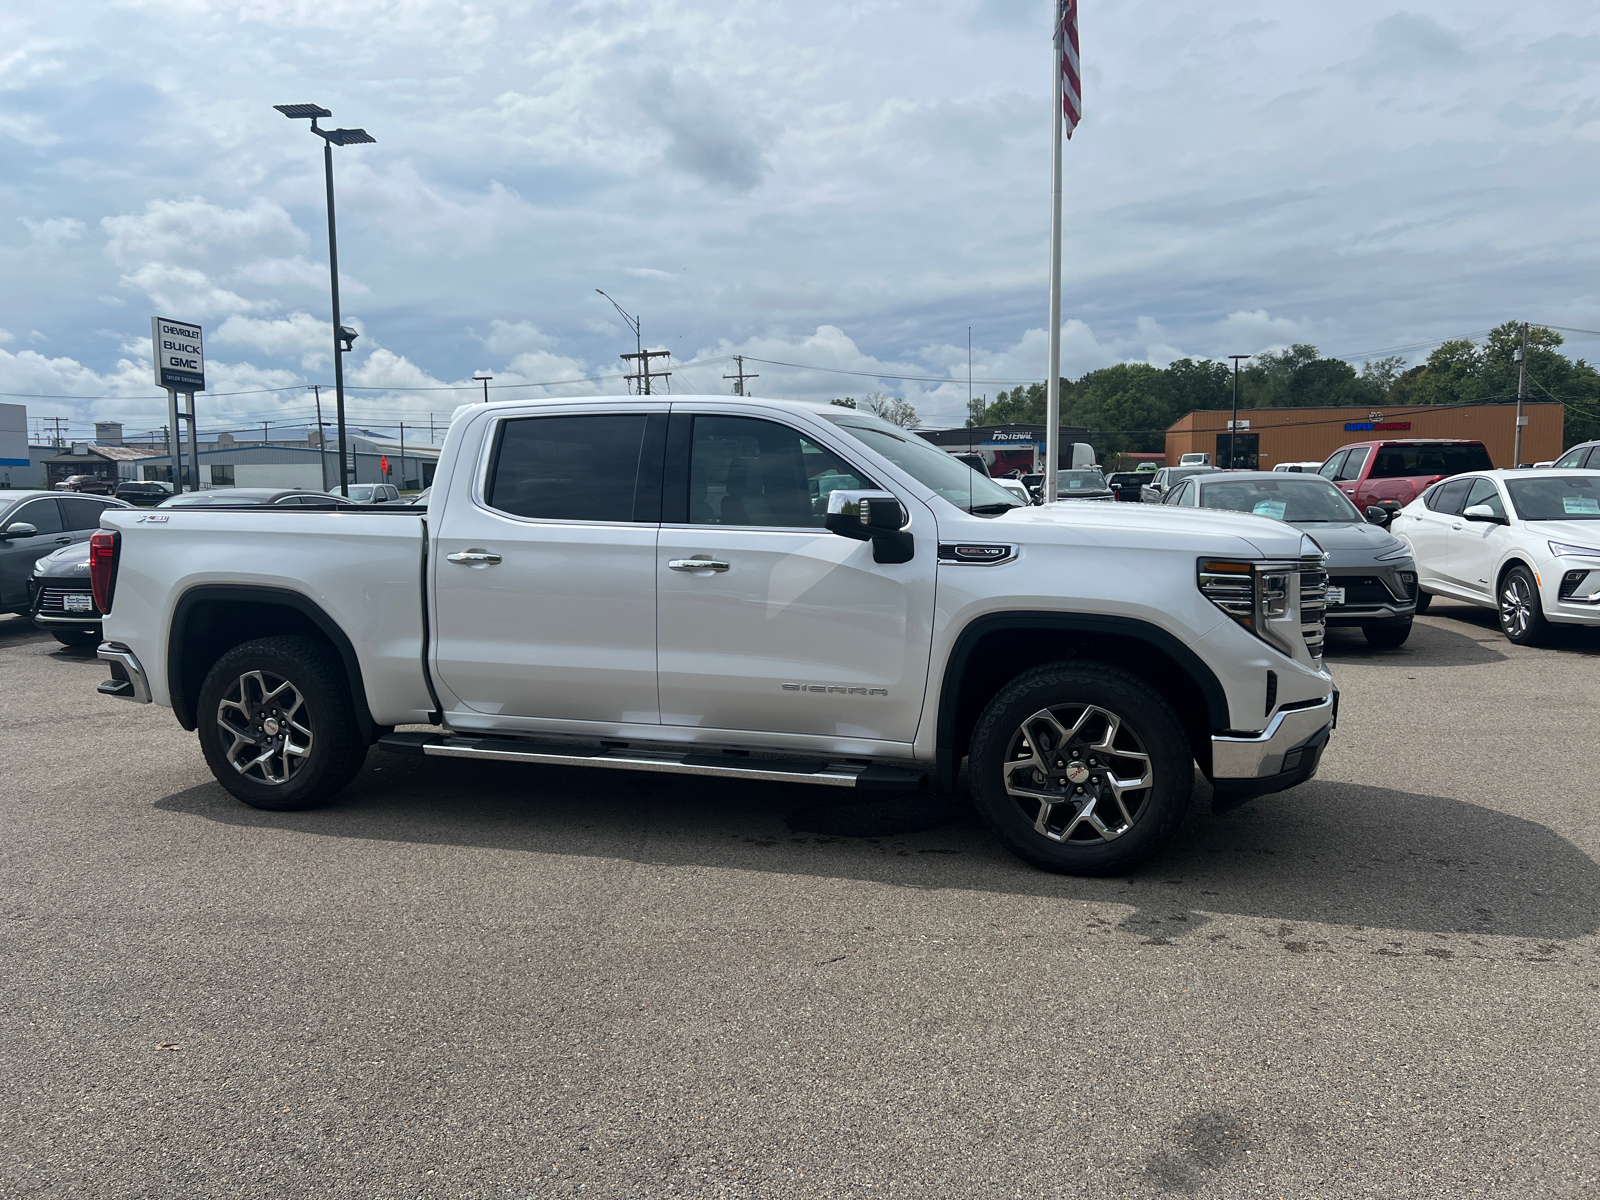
point(738, 386)
point(642, 374)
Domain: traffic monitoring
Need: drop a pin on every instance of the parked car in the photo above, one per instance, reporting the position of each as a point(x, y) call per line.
point(708, 618)
point(1016, 488)
point(1372, 580)
point(371, 493)
point(975, 461)
point(1299, 468)
point(62, 601)
point(1583, 455)
point(1146, 468)
point(1524, 542)
point(232, 496)
point(1125, 485)
point(1155, 491)
point(36, 523)
point(422, 497)
point(91, 484)
point(1086, 484)
point(143, 493)
point(1197, 458)
point(1392, 474)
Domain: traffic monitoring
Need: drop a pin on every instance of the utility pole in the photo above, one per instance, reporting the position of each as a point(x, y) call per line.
point(1522, 379)
point(482, 377)
point(738, 386)
point(644, 374)
point(402, 455)
point(56, 421)
point(1233, 426)
point(264, 438)
point(322, 438)
point(430, 429)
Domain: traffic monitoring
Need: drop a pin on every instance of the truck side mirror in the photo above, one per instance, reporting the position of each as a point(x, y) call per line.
point(874, 517)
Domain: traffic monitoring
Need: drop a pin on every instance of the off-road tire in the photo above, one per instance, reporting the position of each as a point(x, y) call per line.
point(335, 748)
point(1387, 637)
point(78, 639)
point(1067, 686)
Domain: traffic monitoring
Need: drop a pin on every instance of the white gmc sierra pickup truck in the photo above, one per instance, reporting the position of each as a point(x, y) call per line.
point(755, 589)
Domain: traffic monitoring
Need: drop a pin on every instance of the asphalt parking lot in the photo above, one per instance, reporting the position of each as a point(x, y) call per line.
point(482, 980)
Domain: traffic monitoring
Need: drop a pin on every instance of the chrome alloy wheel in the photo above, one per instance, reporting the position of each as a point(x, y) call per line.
point(1079, 773)
point(266, 718)
point(1516, 605)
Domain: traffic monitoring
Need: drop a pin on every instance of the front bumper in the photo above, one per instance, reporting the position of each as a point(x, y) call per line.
point(1281, 756)
point(1379, 594)
point(128, 680)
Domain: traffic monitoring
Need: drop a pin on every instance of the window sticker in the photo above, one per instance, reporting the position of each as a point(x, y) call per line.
point(1270, 508)
point(1585, 505)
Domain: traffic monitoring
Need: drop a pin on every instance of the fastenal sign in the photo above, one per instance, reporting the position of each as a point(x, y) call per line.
point(180, 355)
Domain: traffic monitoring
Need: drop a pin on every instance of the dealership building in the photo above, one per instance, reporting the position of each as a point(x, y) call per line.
point(1268, 436)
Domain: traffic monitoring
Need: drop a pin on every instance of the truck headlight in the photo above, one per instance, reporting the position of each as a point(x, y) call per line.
point(1260, 596)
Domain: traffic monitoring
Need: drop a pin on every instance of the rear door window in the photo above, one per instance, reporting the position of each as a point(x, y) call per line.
point(81, 512)
point(569, 468)
point(1449, 498)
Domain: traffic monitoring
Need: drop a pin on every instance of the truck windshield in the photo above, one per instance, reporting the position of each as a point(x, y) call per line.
point(1079, 481)
point(1556, 497)
point(933, 468)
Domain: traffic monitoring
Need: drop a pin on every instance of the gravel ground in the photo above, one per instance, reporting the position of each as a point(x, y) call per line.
point(483, 980)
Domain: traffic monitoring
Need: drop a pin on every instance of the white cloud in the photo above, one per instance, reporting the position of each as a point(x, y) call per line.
point(52, 231)
point(188, 229)
point(299, 335)
point(297, 273)
point(186, 293)
point(507, 338)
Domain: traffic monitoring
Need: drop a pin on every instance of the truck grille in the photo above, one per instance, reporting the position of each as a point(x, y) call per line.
point(1313, 602)
point(53, 602)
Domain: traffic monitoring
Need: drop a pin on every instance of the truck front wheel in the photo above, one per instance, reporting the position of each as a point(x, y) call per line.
point(277, 724)
point(1081, 768)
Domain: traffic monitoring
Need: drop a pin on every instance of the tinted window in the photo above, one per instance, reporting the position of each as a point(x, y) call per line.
point(82, 512)
point(1572, 458)
point(1398, 462)
point(744, 471)
point(1068, 482)
point(929, 466)
point(1306, 498)
point(1483, 491)
point(1330, 469)
point(1175, 495)
point(1556, 498)
point(1594, 458)
point(41, 514)
point(1449, 497)
point(578, 468)
point(1351, 468)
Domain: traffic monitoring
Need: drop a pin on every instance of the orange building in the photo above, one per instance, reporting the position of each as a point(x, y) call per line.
point(1268, 436)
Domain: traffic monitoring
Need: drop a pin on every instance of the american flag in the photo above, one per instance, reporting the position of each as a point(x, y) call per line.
point(1067, 43)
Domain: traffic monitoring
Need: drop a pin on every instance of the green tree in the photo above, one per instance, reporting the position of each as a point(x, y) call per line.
point(892, 409)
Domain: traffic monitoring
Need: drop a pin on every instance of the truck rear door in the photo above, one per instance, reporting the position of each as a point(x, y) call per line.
point(543, 568)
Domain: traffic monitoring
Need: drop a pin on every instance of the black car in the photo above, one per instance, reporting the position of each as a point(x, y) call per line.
point(1125, 485)
point(291, 496)
point(62, 601)
point(34, 524)
point(144, 493)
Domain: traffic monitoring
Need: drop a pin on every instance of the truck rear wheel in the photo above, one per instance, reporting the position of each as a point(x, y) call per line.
point(1082, 769)
point(277, 724)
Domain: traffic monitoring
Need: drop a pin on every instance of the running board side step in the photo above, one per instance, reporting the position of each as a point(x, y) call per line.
point(866, 777)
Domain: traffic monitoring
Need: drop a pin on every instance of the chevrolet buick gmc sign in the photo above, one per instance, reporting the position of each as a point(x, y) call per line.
point(180, 356)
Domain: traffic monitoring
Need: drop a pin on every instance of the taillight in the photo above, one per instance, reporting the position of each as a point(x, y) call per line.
point(103, 548)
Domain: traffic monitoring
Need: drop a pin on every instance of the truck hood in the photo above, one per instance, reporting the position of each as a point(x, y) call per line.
point(1353, 543)
point(1204, 530)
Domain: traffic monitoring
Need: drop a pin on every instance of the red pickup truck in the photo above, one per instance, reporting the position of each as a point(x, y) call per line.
point(1392, 474)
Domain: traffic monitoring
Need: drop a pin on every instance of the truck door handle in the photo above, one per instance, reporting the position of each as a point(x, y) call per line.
point(474, 558)
point(696, 564)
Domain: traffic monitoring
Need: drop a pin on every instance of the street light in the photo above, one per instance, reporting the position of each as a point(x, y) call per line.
point(483, 377)
point(343, 336)
point(635, 324)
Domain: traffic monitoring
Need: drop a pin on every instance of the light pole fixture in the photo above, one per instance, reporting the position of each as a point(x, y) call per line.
point(343, 336)
point(635, 324)
point(483, 377)
point(1233, 426)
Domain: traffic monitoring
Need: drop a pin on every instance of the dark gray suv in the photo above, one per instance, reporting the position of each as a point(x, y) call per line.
point(33, 524)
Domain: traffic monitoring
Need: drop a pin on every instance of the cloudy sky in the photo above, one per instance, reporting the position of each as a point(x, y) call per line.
point(846, 186)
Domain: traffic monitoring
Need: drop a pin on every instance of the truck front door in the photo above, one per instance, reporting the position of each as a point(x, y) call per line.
point(543, 570)
point(786, 628)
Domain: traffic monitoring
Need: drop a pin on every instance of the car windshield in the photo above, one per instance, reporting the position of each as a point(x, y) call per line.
point(933, 468)
point(1304, 500)
point(1399, 462)
point(361, 493)
point(1556, 497)
point(1079, 481)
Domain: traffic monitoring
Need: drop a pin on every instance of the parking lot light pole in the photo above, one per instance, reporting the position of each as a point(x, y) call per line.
point(343, 338)
point(1233, 426)
point(635, 324)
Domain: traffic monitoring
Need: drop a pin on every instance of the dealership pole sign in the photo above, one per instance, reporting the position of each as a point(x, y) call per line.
point(180, 355)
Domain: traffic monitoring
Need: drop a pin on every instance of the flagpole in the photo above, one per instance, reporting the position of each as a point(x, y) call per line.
point(1052, 387)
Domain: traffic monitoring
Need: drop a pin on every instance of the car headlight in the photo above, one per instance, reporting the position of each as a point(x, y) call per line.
point(1257, 595)
point(39, 564)
point(1394, 555)
point(1564, 548)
